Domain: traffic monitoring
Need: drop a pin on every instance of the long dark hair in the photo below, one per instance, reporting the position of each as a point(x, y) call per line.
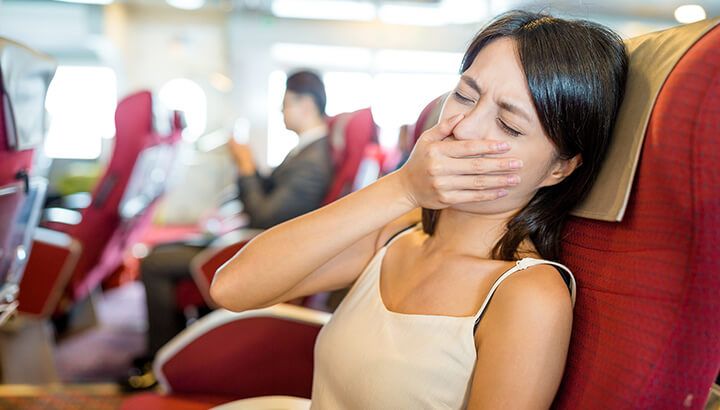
point(576, 73)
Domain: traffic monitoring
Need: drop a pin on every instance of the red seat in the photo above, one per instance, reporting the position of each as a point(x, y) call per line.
point(196, 293)
point(271, 353)
point(350, 134)
point(120, 208)
point(428, 116)
point(646, 329)
point(24, 79)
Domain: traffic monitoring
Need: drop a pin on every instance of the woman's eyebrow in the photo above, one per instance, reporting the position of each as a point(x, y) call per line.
point(471, 83)
point(508, 106)
point(505, 105)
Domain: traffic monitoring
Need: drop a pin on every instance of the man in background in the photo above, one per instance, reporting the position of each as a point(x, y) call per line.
point(298, 185)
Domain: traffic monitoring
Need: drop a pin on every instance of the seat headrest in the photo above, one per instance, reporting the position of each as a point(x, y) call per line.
point(25, 76)
point(652, 58)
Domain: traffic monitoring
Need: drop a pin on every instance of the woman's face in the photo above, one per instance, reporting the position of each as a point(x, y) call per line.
point(494, 96)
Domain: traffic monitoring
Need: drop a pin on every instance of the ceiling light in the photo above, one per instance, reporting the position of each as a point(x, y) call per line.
point(186, 4)
point(324, 9)
point(690, 13)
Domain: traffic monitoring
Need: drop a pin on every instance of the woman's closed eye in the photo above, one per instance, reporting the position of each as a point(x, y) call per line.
point(507, 129)
point(462, 99)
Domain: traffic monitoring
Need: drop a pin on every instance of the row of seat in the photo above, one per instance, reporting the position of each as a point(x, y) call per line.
point(73, 256)
point(646, 325)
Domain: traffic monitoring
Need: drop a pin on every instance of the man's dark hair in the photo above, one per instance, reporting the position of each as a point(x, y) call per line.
point(308, 83)
point(576, 73)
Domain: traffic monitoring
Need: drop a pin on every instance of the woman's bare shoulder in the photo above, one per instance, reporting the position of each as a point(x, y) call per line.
point(534, 296)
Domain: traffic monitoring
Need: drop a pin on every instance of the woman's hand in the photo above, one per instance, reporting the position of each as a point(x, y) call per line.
point(441, 173)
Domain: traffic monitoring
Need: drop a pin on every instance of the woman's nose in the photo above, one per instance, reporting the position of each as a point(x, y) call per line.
point(475, 125)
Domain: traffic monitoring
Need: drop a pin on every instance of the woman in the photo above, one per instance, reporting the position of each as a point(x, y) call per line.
point(518, 145)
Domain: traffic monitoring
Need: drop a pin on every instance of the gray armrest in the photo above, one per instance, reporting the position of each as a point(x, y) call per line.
point(61, 215)
point(79, 200)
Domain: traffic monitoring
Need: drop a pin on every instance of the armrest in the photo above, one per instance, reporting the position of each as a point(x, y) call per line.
point(76, 201)
point(60, 216)
point(204, 265)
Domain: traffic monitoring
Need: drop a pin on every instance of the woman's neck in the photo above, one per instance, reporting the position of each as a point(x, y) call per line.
point(467, 233)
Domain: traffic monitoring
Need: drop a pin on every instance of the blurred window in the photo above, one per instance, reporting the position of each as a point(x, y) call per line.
point(280, 139)
point(186, 95)
point(81, 104)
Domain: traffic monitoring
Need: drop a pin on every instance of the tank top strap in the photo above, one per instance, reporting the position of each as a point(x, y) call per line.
point(523, 264)
point(400, 233)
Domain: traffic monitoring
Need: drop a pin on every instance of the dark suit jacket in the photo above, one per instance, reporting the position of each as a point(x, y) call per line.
point(295, 187)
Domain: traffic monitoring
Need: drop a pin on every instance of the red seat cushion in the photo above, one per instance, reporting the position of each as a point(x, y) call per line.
point(156, 401)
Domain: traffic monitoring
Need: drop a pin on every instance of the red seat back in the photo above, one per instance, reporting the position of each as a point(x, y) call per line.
point(646, 331)
point(350, 133)
point(123, 198)
point(428, 116)
point(24, 79)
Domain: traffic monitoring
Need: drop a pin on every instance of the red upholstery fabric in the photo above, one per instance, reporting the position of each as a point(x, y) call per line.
point(647, 320)
point(134, 131)
point(24, 79)
point(155, 401)
point(360, 130)
point(11, 162)
point(197, 292)
point(40, 292)
point(266, 356)
point(422, 122)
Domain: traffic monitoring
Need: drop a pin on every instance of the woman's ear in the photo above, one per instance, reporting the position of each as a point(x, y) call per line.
point(561, 169)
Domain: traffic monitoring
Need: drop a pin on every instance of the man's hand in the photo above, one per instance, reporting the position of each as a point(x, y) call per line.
point(243, 157)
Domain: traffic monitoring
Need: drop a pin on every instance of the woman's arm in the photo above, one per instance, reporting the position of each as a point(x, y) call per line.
point(327, 249)
point(522, 342)
point(278, 259)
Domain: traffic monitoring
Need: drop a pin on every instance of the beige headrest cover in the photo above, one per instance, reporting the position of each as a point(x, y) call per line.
point(652, 58)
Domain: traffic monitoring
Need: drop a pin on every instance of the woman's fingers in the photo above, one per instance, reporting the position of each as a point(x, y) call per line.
point(443, 129)
point(475, 182)
point(469, 148)
point(475, 166)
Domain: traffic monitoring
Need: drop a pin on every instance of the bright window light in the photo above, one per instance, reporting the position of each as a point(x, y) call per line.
point(347, 91)
point(280, 139)
point(324, 9)
point(411, 15)
point(468, 12)
point(101, 2)
point(398, 98)
point(317, 55)
point(689, 13)
point(186, 95)
point(81, 103)
point(186, 4)
point(417, 61)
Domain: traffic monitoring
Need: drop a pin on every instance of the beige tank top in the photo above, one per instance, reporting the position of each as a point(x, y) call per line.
point(368, 357)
